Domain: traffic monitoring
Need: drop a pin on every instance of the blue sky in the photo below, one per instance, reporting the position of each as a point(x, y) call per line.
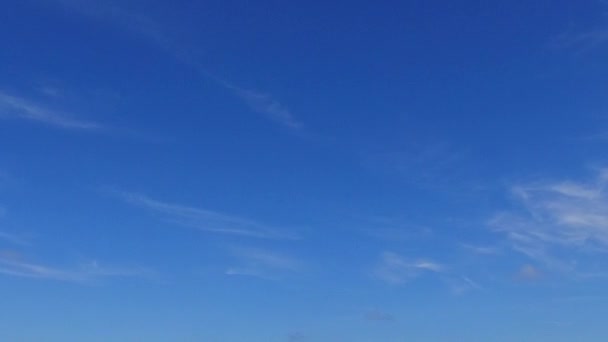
point(303, 171)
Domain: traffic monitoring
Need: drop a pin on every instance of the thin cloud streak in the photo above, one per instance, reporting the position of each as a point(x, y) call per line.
point(262, 263)
point(12, 107)
point(27, 270)
point(460, 285)
point(206, 220)
point(13, 265)
point(394, 269)
point(266, 105)
point(144, 26)
point(481, 250)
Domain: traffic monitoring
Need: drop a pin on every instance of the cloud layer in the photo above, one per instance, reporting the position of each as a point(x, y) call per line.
point(557, 219)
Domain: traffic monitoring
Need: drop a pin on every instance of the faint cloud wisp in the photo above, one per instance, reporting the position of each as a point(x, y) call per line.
point(206, 220)
point(394, 269)
point(147, 28)
point(13, 107)
point(13, 264)
point(262, 263)
point(558, 221)
point(268, 106)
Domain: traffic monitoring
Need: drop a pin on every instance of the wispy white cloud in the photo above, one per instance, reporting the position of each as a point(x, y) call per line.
point(206, 220)
point(30, 270)
point(557, 218)
point(262, 263)
point(147, 28)
point(13, 107)
point(13, 264)
point(574, 190)
point(460, 285)
point(95, 269)
point(394, 269)
point(268, 106)
point(482, 250)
